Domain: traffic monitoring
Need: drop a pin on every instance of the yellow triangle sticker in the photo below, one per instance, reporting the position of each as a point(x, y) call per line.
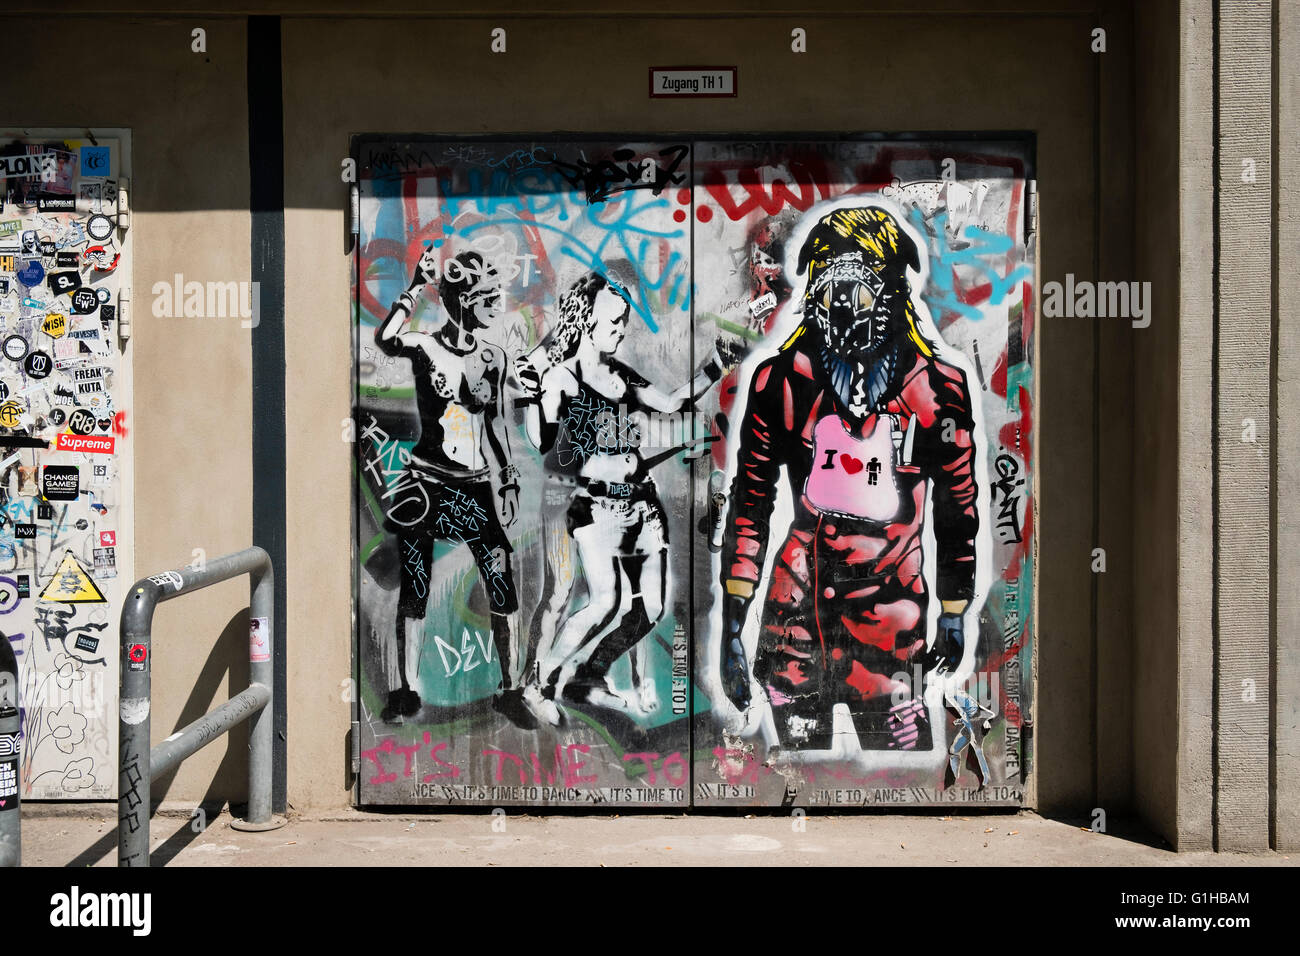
point(72, 585)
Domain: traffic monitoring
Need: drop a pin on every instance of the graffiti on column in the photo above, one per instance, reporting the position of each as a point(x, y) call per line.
point(62, 432)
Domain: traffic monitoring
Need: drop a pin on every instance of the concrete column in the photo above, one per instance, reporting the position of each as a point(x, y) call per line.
point(1286, 656)
point(1194, 827)
point(1242, 364)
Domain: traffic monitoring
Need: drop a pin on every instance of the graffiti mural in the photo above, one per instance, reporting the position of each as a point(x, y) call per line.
point(63, 427)
point(868, 574)
point(692, 472)
point(523, 317)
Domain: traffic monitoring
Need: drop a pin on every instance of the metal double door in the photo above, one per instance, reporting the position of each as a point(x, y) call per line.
point(693, 472)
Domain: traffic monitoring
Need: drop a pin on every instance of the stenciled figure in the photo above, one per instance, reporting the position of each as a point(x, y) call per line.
point(583, 420)
point(463, 444)
point(867, 423)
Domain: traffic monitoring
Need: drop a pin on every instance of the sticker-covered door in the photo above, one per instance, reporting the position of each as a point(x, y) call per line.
point(63, 454)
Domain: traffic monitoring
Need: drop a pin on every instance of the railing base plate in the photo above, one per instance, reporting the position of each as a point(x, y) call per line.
point(247, 826)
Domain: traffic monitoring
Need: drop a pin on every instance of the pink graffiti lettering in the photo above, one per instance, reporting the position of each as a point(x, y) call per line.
point(565, 765)
point(748, 768)
point(408, 752)
point(676, 775)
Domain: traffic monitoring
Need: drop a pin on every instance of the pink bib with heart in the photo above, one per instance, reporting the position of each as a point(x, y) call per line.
point(853, 476)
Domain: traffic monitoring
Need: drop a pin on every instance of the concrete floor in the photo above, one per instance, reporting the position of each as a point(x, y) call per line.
point(86, 835)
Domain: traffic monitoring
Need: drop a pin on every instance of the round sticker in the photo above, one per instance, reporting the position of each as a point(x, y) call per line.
point(84, 302)
point(57, 417)
point(81, 421)
point(138, 653)
point(31, 273)
point(15, 348)
point(38, 365)
point(10, 414)
point(99, 228)
point(102, 295)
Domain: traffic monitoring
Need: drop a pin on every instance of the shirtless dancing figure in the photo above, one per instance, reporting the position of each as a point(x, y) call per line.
point(460, 395)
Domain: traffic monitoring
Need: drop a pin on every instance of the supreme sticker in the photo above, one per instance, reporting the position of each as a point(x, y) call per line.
point(87, 444)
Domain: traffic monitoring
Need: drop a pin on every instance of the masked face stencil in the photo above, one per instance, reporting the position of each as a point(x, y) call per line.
point(855, 316)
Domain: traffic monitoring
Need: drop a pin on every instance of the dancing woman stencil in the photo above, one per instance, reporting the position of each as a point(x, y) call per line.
point(581, 421)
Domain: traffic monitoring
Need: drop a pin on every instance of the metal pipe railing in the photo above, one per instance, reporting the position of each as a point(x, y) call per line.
point(11, 830)
point(138, 762)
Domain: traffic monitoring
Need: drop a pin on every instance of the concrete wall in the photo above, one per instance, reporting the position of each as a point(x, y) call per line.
point(465, 89)
point(1027, 65)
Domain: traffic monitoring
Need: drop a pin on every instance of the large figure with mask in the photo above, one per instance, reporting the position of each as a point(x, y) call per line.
point(464, 440)
point(867, 423)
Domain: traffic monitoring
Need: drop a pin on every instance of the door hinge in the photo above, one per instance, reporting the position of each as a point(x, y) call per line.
point(1031, 210)
point(354, 209)
point(356, 746)
point(123, 314)
point(124, 203)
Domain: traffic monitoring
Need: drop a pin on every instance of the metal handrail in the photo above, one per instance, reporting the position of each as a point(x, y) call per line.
point(137, 762)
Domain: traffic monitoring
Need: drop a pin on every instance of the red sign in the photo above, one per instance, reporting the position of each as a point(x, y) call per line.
point(90, 444)
point(108, 539)
point(138, 653)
